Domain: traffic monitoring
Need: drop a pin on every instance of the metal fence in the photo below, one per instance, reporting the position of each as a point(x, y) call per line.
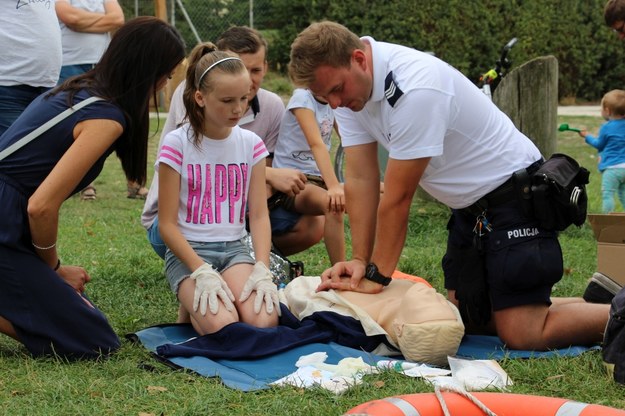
point(203, 20)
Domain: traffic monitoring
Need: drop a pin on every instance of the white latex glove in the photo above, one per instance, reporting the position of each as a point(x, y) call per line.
point(261, 281)
point(210, 287)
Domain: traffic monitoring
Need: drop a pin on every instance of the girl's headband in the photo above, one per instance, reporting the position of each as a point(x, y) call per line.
point(214, 64)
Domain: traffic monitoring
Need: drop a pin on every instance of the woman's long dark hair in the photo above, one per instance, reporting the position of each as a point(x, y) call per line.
point(141, 53)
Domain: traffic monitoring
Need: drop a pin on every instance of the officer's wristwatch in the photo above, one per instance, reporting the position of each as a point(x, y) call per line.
point(372, 273)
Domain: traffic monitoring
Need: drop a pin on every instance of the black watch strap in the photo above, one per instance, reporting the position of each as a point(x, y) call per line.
point(372, 273)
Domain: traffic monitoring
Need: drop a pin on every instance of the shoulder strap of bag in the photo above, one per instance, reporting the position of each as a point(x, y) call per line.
point(46, 126)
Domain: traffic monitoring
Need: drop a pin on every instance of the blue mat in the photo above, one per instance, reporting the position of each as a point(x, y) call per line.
point(256, 374)
point(482, 347)
point(245, 375)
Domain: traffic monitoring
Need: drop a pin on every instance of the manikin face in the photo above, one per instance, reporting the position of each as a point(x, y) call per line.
point(344, 87)
point(225, 104)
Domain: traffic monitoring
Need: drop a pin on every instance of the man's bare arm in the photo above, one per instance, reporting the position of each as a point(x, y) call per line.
point(80, 20)
point(401, 181)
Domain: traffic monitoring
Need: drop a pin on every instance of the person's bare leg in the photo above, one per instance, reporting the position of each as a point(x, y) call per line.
point(236, 276)
point(312, 203)
point(563, 301)
point(334, 237)
point(539, 327)
point(7, 328)
point(204, 324)
point(183, 316)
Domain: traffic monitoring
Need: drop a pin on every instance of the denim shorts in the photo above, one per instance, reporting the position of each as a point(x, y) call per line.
point(154, 237)
point(221, 255)
point(282, 220)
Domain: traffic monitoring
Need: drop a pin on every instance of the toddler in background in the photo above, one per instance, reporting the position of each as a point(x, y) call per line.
point(610, 143)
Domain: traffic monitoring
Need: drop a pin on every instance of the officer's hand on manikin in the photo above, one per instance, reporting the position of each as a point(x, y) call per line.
point(266, 290)
point(210, 288)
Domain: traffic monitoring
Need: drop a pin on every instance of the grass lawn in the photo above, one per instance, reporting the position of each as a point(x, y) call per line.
point(106, 237)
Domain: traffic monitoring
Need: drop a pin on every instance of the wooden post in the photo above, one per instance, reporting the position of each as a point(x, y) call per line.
point(529, 96)
point(160, 9)
point(160, 12)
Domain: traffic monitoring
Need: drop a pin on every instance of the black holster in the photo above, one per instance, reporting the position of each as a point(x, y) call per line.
point(523, 188)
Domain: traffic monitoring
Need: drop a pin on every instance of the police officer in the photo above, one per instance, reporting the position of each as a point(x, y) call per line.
point(441, 133)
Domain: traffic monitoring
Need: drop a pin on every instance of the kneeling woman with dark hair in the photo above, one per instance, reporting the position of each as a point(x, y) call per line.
point(42, 302)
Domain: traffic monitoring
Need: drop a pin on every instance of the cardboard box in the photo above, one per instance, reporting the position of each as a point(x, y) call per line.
point(609, 230)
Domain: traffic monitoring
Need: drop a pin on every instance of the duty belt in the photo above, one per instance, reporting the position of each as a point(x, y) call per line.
point(506, 192)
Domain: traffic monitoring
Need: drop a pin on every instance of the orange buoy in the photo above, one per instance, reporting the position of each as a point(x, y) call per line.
point(502, 404)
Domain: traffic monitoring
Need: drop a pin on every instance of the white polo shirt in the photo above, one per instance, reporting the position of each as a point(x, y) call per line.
point(422, 107)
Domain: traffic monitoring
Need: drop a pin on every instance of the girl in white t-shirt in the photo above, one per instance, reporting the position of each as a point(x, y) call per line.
point(210, 173)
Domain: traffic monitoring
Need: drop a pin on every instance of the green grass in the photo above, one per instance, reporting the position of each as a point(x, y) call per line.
point(106, 237)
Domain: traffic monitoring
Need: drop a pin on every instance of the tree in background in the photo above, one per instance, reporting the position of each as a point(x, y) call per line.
point(467, 34)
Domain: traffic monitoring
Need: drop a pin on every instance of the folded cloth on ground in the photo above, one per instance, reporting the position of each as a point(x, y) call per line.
point(240, 340)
